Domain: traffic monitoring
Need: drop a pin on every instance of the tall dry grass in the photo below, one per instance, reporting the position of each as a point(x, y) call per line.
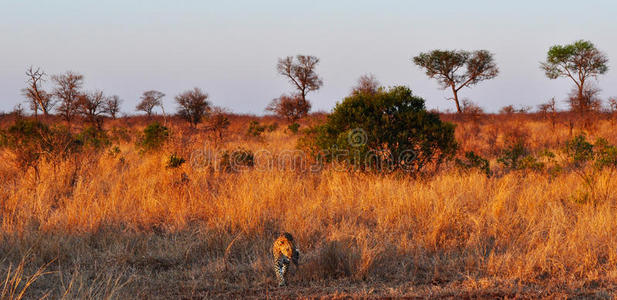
point(125, 225)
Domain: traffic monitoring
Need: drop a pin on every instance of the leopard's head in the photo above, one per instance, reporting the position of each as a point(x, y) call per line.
point(286, 248)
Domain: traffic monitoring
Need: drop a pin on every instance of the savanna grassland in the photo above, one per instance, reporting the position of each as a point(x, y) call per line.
point(116, 221)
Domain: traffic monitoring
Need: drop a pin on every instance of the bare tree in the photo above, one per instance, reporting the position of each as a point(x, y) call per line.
point(68, 86)
point(367, 84)
point(301, 73)
point(612, 106)
point(218, 122)
point(92, 106)
point(150, 100)
point(549, 111)
point(586, 102)
point(193, 105)
point(112, 106)
point(444, 65)
point(38, 98)
point(471, 109)
point(507, 110)
point(291, 107)
point(585, 105)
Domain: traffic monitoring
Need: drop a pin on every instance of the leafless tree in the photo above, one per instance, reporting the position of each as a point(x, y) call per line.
point(218, 122)
point(289, 107)
point(367, 84)
point(301, 73)
point(150, 100)
point(507, 110)
point(38, 98)
point(67, 90)
point(549, 111)
point(112, 106)
point(92, 106)
point(193, 105)
point(471, 108)
point(612, 107)
point(588, 102)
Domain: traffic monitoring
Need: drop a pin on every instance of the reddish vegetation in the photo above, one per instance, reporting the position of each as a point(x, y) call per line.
point(121, 222)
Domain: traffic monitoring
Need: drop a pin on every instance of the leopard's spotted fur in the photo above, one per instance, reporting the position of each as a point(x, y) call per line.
point(284, 251)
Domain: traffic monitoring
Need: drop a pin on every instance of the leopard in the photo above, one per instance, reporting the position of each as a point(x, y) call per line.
point(285, 252)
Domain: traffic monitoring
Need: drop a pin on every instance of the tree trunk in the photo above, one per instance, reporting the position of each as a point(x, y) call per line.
point(458, 106)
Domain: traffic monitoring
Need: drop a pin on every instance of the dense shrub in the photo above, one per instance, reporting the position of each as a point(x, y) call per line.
point(513, 155)
point(587, 160)
point(294, 128)
point(255, 129)
point(474, 161)
point(94, 138)
point(272, 127)
point(237, 159)
point(385, 130)
point(601, 154)
point(154, 136)
point(175, 161)
point(32, 140)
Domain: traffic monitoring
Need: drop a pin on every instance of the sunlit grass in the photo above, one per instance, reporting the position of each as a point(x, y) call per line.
point(130, 215)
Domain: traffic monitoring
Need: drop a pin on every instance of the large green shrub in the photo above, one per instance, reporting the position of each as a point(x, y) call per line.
point(389, 129)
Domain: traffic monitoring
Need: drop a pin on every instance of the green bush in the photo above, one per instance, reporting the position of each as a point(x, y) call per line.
point(175, 161)
point(272, 127)
point(587, 160)
point(255, 130)
point(605, 154)
point(579, 150)
point(474, 161)
point(513, 155)
point(31, 140)
point(154, 136)
point(94, 138)
point(114, 151)
point(294, 127)
point(385, 130)
point(237, 159)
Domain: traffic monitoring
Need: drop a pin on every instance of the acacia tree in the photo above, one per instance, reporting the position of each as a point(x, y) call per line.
point(289, 107)
point(457, 69)
point(193, 105)
point(67, 90)
point(150, 100)
point(578, 61)
point(301, 74)
point(38, 98)
point(112, 106)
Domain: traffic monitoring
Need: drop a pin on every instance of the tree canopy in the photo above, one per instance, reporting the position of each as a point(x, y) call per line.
point(457, 69)
point(385, 129)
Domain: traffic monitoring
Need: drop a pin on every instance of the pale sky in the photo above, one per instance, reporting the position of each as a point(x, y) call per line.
point(230, 48)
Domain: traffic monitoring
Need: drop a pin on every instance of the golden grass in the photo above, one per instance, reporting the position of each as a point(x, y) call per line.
point(127, 226)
